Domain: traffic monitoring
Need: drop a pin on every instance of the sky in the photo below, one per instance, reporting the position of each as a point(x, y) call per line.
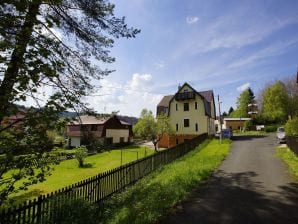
point(219, 45)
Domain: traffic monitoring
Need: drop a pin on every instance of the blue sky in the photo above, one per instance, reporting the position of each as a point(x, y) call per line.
point(220, 45)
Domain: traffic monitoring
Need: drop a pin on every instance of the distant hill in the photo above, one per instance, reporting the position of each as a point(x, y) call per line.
point(127, 119)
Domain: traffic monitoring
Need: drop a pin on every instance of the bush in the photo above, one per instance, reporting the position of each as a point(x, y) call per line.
point(75, 211)
point(292, 127)
point(271, 128)
point(80, 154)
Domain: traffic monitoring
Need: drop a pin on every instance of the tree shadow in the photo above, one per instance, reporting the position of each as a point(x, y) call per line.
point(247, 137)
point(237, 198)
point(87, 165)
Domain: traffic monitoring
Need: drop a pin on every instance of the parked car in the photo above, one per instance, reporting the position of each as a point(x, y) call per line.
point(226, 133)
point(281, 135)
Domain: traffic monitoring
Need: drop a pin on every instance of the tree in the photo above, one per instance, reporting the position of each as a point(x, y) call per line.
point(224, 114)
point(231, 110)
point(80, 154)
point(275, 102)
point(152, 129)
point(292, 91)
point(245, 98)
point(57, 45)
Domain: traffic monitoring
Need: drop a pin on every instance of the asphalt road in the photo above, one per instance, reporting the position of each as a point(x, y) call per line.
point(251, 186)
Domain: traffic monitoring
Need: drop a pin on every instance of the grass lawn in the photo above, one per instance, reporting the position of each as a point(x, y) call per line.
point(289, 158)
point(156, 194)
point(68, 172)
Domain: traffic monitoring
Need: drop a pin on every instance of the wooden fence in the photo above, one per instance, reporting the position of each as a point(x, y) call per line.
point(97, 188)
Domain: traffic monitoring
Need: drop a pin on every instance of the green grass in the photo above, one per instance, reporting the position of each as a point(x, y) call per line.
point(156, 194)
point(289, 158)
point(68, 172)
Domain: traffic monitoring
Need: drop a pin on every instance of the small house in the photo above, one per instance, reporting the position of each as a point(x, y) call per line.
point(107, 130)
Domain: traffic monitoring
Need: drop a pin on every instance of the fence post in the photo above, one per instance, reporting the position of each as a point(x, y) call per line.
point(39, 204)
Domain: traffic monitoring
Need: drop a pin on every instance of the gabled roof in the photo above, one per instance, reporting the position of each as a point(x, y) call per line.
point(186, 84)
point(87, 119)
point(208, 95)
point(165, 101)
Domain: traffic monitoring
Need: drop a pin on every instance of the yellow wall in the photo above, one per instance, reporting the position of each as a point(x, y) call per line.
point(117, 133)
point(195, 116)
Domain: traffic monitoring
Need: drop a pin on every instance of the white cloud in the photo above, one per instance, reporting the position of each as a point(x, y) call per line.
point(129, 98)
point(192, 19)
point(139, 82)
point(159, 65)
point(243, 87)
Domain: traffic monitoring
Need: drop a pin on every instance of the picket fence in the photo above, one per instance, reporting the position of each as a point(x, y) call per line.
point(97, 188)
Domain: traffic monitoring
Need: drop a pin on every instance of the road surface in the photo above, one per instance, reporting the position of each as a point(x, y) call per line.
point(251, 186)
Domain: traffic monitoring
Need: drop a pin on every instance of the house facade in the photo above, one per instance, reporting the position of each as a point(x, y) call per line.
point(191, 113)
point(108, 130)
point(235, 123)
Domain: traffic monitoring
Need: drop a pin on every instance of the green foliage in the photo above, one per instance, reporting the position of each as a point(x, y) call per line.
point(248, 124)
point(71, 211)
point(275, 102)
point(245, 98)
point(291, 127)
point(231, 110)
point(152, 129)
point(271, 128)
point(32, 56)
point(156, 194)
point(146, 126)
point(80, 154)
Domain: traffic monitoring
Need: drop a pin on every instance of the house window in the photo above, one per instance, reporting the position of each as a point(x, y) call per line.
point(186, 123)
point(176, 127)
point(197, 128)
point(196, 105)
point(186, 107)
point(121, 139)
point(176, 107)
point(166, 110)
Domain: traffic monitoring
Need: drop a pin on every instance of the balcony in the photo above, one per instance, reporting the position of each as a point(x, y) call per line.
point(185, 96)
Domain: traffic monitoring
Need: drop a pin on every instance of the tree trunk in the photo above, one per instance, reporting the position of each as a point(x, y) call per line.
point(17, 59)
point(155, 144)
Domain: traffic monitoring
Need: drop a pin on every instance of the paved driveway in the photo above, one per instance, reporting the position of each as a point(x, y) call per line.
point(251, 186)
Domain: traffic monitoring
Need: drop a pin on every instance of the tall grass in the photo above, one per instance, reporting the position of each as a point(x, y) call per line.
point(156, 194)
point(289, 158)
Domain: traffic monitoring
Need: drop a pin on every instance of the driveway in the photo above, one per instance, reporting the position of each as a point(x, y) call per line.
point(251, 186)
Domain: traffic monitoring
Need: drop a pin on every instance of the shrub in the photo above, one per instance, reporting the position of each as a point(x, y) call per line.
point(75, 211)
point(292, 127)
point(80, 154)
point(271, 128)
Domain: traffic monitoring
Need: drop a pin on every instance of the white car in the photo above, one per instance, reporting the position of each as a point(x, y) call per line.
point(281, 135)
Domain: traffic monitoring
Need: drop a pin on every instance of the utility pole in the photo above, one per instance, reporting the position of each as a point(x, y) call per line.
point(220, 133)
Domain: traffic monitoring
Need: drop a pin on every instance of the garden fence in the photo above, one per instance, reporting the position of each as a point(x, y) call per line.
point(97, 188)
